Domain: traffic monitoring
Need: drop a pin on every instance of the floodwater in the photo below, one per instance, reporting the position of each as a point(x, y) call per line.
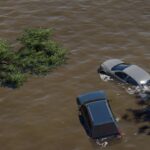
point(42, 114)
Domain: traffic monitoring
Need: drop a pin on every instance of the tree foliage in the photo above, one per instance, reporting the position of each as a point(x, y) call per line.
point(38, 54)
point(10, 74)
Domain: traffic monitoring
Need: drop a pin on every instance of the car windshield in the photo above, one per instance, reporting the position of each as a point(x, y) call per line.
point(120, 67)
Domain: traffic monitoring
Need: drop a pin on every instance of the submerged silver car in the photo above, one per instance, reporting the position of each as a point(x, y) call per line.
point(127, 73)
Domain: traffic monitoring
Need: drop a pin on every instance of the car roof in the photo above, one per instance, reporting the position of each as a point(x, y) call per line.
point(100, 113)
point(112, 62)
point(91, 96)
point(137, 73)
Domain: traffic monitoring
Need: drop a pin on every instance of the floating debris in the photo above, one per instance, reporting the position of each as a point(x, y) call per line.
point(131, 90)
point(135, 133)
point(117, 119)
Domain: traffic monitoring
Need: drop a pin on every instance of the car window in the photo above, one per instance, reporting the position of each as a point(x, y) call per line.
point(131, 81)
point(86, 116)
point(121, 75)
point(120, 67)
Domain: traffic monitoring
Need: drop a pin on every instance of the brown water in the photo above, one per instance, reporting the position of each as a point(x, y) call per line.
point(42, 114)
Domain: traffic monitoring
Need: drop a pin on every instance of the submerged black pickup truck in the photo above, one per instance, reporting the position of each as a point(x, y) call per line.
point(96, 116)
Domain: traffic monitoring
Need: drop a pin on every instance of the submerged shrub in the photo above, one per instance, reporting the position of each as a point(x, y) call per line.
point(35, 38)
point(10, 75)
point(6, 56)
point(38, 54)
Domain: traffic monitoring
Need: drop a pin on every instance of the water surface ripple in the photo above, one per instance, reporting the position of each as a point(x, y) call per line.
point(42, 115)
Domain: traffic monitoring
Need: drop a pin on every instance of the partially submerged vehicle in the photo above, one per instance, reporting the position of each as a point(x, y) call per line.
point(127, 73)
point(96, 116)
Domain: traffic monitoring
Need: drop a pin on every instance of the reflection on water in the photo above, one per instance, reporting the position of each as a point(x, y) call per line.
point(42, 114)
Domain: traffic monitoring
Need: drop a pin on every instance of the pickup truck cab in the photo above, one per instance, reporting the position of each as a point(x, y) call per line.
point(96, 116)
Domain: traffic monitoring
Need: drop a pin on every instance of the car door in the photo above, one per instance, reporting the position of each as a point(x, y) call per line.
point(125, 78)
point(131, 81)
point(121, 76)
point(86, 120)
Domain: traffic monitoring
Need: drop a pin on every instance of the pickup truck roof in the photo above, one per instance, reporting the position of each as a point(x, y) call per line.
point(100, 107)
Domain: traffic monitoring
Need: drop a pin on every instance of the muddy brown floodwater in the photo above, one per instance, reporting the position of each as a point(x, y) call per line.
point(42, 114)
